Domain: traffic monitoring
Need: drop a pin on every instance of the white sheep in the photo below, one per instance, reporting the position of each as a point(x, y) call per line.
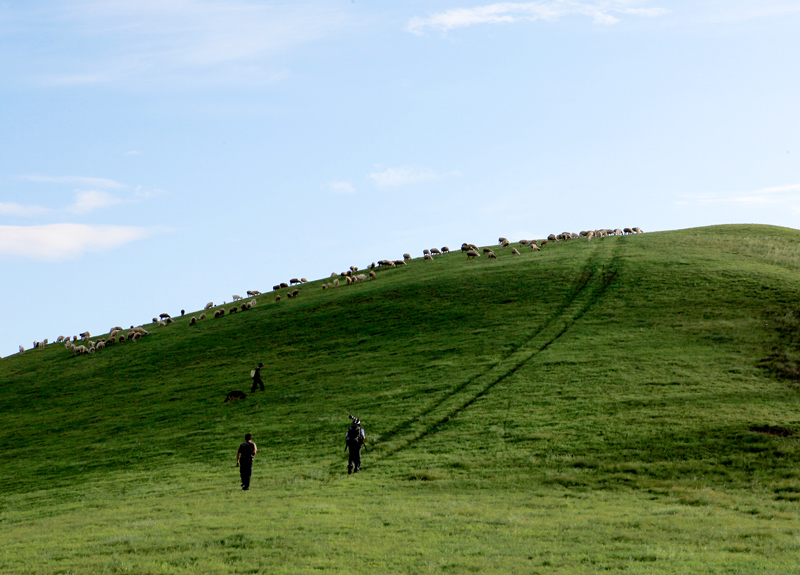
point(294, 281)
point(361, 277)
point(428, 257)
point(373, 275)
point(336, 282)
point(202, 316)
point(193, 321)
point(303, 280)
point(515, 252)
point(445, 250)
point(472, 254)
point(406, 256)
point(435, 252)
point(21, 349)
point(162, 323)
point(236, 297)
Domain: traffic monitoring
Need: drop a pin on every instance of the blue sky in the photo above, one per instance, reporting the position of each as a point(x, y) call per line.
point(157, 155)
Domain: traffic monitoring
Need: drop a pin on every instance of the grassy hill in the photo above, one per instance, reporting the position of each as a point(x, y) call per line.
point(625, 404)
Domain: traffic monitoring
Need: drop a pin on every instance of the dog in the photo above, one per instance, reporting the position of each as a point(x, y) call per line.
point(235, 395)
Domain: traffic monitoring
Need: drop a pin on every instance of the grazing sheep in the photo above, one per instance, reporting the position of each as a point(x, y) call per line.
point(487, 250)
point(237, 297)
point(162, 323)
point(637, 230)
point(428, 257)
point(303, 280)
point(535, 247)
point(501, 239)
point(294, 281)
point(523, 242)
point(474, 247)
point(544, 242)
point(373, 275)
point(85, 335)
point(371, 266)
point(504, 244)
point(232, 395)
point(473, 254)
point(193, 321)
point(59, 339)
point(435, 252)
point(349, 280)
point(155, 319)
point(209, 305)
point(492, 256)
point(276, 288)
point(336, 282)
point(277, 298)
point(426, 252)
point(515, 252)
point(289, 295)
point(445, 250)
point(164, 315)
point(627, 231)
point(101, 345)
point(254, 302)
point(552, 238)
point(219, 313)
point(618, 232)
point(295, 292)
point(202, 316)
point(284, 285)
point(22, 349)
point(465, 247)
point(234, 309)
point(361, 277)
point(81, 349)
point(400, 263)
point(170, 320)
point(406, 256)
point(324, 286)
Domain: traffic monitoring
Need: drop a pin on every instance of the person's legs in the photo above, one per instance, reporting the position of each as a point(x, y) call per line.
point(245, 472)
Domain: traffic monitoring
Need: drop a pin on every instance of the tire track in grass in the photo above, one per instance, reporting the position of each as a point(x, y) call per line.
point(596, 276)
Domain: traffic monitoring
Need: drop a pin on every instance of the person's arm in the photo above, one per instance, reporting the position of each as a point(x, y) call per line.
point(255, 449)
point(237, 458)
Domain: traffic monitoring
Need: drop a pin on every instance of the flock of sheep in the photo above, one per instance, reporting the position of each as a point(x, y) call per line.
point(116, 335)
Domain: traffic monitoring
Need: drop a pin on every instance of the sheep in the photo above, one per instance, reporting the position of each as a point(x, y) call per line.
point(492, 256)
point(276, 288)
point(22, 349)
point(284, 285)
point(81, 349)
point(473, 254)
point(589, 236)
point(164, 315)
point(465, 247)
point(162, 323)
point(170, 320)
point(523, 242)
point(515, 252)
point(277, 298)
point(295, 292)
point(501, 239)
point(118, 328)
point(253, 293)
point(324, 286)
point(474, 247)
point(234, 309)
point(487, 250)
point(353, 269)
point(426, 252)
point(627, 231)
point(237, 297)
point(371, 266)
point(85, 335)
point(349, 280)
point(504, 244)
point(535, 247)
point(59, 339)
point(294, 281)
point(101, 345)
point(435, 252)
point(637, 230)
point(445, 250)
point(361, 277)
point(303, 280)
point(406, 256)
point(155, 320)
point(219, 313)
point(552, 238)
point(254, 302)
point(400, 263)
point(428, 257)
point(373, 275)
point(544, 242)
point(202, 316)
point(193, 321)
point(618, 232)
point(336, 282)
point(289, 295)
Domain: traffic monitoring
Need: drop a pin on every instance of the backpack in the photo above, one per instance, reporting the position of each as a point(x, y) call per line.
point(354, 434)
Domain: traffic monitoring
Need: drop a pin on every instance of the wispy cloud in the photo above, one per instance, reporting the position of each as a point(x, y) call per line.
point(344, 188)
point(396, 177)
point(18, 210)
point(91, 200)
point(170, 40)
point(601, 12)
point(133, 153)
point(775, 195)
point(57, 242)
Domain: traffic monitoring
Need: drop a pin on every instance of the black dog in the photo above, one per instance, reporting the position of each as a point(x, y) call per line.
point(235, 395)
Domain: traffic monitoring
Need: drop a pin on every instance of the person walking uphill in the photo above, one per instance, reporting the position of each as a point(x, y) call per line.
point(354, 440)
point(256, 375)
point(244, 460)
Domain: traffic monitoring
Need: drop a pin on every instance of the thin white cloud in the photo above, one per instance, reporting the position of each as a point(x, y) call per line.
point(133, 153)
point(12, 209)
point(87, 201)
point(396, 177)
point(774, 195)
point(102, 183)
point(601, 12)
point(344, 188)
point(170, 41)
point(56, 242)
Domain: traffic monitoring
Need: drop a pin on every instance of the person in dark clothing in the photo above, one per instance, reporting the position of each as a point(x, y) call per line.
point(244, 460)
point(354, 440)
point(257, 378)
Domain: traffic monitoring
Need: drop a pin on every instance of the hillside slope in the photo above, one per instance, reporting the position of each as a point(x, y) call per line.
point(655, 362)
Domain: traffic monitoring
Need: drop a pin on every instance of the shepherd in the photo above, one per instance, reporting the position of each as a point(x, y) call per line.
point(256, 375)
point(354, 440)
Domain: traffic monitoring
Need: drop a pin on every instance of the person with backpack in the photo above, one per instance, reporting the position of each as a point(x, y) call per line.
point(256, 375)
point(244, 460)
point(354, 440)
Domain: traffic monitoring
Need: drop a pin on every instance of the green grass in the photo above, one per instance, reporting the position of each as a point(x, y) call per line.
point(598, 406)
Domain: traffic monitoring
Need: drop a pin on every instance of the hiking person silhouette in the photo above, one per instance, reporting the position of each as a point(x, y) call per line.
point(354, 440)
